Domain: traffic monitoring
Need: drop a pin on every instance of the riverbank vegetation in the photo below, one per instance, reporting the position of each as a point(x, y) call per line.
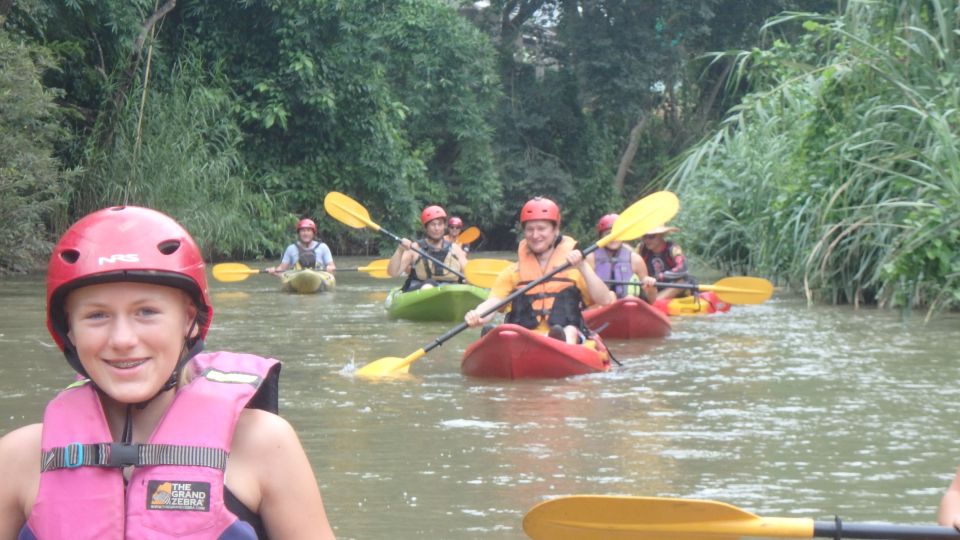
point(841, 172)
point(831, 168)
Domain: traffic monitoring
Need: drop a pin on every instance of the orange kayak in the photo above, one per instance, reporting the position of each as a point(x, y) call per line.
point(509, 351)
point(627, 318)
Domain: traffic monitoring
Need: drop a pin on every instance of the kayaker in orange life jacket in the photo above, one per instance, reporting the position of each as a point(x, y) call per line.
point(619, 262)
point(422, 273)
point(553, 307)
point(663, 256)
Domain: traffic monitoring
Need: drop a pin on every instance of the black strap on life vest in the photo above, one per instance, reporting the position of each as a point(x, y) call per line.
point(120, 455)
point(307, 256)
point(434, 269)
point(567, 305)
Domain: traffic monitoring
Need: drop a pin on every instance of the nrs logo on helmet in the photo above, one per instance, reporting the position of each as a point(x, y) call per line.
point(119, 257)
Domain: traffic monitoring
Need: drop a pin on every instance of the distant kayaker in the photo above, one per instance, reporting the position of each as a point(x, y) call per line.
point(454, 228)
point(155, 439)
point(306, 252)
point(423, 273)
point(662, 258)
point(554, 307)
point(618, 262)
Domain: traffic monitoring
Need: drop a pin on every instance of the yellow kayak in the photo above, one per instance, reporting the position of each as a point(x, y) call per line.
point(703, 303)
point(307, 281)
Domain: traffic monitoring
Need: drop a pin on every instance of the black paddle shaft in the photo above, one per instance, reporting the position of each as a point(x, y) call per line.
point(882, 531)
point(670, 284)
point(463, 326)
point(424, 255)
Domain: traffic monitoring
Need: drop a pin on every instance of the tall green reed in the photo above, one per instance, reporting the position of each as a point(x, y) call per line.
point(840, 173)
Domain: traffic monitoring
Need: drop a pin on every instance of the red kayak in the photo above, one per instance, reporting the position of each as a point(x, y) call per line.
point(513, 352)
point(627, 318)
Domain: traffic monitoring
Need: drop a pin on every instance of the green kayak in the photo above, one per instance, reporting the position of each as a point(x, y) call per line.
point(443, 303)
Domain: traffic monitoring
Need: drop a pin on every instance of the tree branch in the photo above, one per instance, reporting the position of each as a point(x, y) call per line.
point(629, 153)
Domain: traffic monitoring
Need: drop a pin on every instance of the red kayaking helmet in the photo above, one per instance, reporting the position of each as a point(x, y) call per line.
point(540, 208)
point(455, 222)
point(124, 243)
point(606, 223)
point(431, 213)
point(307, 223)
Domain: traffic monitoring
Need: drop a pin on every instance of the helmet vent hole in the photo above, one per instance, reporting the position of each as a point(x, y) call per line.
point(70, 256)
point(169, 247)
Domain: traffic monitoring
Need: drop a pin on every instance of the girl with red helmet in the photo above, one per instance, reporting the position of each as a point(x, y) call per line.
point(139, 447)
point(454, 228)
point(555, 306)
point(422, 273)
point(619, 262)
point(306, 252)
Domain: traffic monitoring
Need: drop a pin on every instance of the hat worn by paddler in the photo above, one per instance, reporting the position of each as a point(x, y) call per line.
point(661, 229)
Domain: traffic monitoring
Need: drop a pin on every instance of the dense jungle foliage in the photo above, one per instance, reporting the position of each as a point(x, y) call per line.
point(815, 148)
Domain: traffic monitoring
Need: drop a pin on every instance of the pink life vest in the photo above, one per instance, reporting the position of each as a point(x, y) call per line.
point(175, 491)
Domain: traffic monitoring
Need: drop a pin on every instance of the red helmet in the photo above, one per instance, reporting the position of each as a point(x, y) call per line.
point(540, 208)
point(455, 222)
point(124, 243)
point(431, 213)
point(606, 223)
point(307, 223)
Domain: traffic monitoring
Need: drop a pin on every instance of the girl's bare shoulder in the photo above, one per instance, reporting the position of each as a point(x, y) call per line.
point(21, 442)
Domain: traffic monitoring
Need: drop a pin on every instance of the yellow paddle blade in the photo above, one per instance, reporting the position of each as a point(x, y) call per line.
point(229, 272)
point(484, 272)
point(377, 269)
point(741, 290)
point(642, 216)
point(348, 211)
point(598, 517)
point(390, 365)
point(469, 235)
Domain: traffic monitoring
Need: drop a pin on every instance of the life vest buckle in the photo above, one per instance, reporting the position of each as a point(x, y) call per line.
point(71, 451)
point(123, 455)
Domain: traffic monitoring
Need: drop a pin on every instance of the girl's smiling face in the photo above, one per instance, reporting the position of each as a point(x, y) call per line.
point(129, 336)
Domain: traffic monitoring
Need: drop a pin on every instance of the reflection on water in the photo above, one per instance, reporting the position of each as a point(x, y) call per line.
point(777, 408)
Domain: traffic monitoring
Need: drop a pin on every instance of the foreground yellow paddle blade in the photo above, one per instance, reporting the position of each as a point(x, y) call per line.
point(230, 272)
point(377, 269)
point(598, 517)
point(348, 211)
point(469, 235)
point(642, 216)
point(484, 272)
point(389, 365)
point(741, 290)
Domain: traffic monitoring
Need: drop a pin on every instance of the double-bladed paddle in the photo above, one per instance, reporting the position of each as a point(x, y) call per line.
point(352, 214)
point(633, 222)
point(732, 290)
point(600, 517)
point(230, 272)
